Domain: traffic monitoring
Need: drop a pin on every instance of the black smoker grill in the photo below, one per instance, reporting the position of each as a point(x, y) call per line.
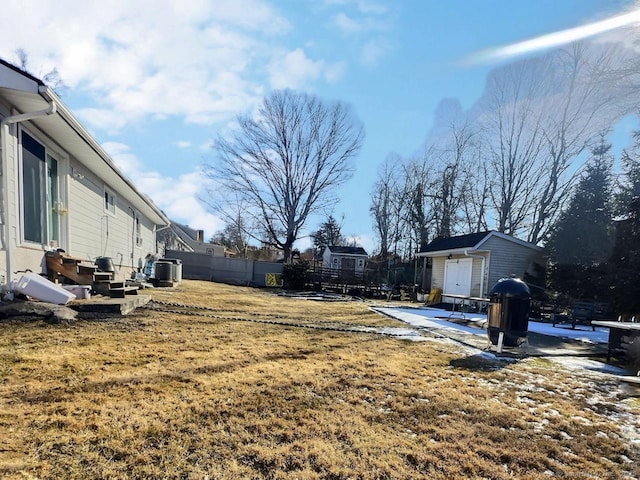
point(510, 301)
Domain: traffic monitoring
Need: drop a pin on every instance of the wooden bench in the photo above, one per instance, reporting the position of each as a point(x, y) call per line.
point(584, 312)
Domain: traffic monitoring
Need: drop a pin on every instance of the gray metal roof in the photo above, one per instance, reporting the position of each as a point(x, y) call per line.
point(471, 241)
point(348, 250)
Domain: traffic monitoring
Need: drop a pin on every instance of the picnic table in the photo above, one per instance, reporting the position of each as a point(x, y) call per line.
point(621, 336)
point(465, 300)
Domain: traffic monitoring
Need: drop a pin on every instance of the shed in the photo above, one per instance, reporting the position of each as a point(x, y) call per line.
point(344, 259)
point(471, 264)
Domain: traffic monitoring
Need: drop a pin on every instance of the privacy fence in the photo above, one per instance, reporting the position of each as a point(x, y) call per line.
point(235, 271)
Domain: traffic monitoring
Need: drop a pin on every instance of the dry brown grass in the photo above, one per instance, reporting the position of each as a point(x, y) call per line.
point(160, 395)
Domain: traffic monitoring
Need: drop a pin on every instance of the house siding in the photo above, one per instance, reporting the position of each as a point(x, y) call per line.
point(328, 258)
point(95, 232)
point(83, 228)
point(514, 259)
point(25, 256)
point(82, 220)
point(476, 277)
point(503, 258)
point(437, 272)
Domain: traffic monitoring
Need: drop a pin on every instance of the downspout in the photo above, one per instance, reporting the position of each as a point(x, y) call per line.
point(483, 258)
point(5, 216)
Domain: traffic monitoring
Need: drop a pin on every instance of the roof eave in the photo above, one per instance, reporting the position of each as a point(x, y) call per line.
point(509, 238)
point(450, 251)
point(152, 211)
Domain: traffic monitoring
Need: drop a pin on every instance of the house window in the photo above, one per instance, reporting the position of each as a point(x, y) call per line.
point(138, 233)
point(360, 263)
point(109, 202)
point(40, 193)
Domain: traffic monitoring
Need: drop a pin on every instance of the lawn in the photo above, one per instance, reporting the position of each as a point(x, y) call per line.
point(211, 395)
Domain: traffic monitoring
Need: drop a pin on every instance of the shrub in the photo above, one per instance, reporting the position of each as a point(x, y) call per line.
point(294, 275)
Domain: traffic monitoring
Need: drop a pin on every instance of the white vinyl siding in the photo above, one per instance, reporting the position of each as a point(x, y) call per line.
point(437, 272)
point(96, 233)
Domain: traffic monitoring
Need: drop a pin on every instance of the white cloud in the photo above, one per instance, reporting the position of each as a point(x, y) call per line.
point(183, 144)
point(122, 157)
point(364, 26)
point(346, 24)
point(363, 6)
point(292, 69)
point(198, 59)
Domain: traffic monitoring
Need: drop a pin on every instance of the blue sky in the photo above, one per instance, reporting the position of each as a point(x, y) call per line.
point(156, 81)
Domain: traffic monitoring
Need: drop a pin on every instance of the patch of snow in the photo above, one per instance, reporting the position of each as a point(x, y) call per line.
point(579, 363)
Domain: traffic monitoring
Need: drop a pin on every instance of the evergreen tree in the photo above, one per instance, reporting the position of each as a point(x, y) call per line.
point(582, 240)
point(328, 235)
point(629, 186)
point(583, 234)
point(624, 264)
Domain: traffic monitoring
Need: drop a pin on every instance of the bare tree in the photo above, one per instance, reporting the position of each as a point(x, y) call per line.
point(539, 116)
point(452, 180)
point(52, 78)
point(387, 204)
point(287, 161)
point(417, 214)
point(475, 201)
point(511, 125)
point(588, 87)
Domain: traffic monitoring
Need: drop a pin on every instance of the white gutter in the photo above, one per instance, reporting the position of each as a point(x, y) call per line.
point(483, 258)
point(5, 216)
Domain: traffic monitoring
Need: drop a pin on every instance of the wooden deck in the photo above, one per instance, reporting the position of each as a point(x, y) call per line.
point(115, 306)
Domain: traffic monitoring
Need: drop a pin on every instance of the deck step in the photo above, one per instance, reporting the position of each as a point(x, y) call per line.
point(87, 269)
point(121, 292)
point(102, 276)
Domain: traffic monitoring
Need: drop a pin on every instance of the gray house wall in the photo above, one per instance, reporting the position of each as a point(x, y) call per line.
point(75, 219)
point(201, 266)
point(86, 230)
point(512, 259)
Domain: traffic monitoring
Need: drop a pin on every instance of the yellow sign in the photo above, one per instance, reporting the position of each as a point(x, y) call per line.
point(273, 280)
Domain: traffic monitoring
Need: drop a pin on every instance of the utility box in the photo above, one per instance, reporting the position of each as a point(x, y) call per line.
point(176, 269)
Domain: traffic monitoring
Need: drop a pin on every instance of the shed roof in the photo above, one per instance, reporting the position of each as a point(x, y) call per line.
point(470, 241)
point(347, 250)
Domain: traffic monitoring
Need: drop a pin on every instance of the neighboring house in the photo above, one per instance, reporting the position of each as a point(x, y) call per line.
point(182, 238)
point(60, 189)
point(344, 259)
point(472, 264)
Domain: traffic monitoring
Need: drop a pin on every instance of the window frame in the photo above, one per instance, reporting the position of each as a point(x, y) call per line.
point(51, 193)
point(109, 194)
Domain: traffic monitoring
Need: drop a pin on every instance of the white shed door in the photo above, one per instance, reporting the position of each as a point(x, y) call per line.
point(457, 276)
